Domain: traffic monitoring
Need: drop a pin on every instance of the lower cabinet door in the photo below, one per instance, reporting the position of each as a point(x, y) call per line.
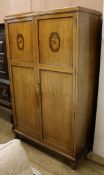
point(57, 110)
point(26, 101)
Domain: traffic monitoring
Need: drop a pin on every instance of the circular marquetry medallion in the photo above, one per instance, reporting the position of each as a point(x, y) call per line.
point(20, 41)
point(54, 41)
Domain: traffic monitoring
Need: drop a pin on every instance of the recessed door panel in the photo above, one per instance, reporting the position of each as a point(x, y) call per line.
point(21, 47)
point(26, 101)
point(57, 109)
point(56, 41)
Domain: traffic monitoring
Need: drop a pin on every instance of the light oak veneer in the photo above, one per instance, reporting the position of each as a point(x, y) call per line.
point(53, 64)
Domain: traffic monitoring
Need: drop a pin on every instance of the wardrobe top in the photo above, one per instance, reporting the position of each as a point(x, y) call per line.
point(55, 11)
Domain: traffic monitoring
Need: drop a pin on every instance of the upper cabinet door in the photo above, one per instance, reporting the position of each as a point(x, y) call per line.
point(21, 45)
point(56, 41)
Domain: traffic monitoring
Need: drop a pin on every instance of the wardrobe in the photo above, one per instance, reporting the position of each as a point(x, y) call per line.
point(53, 61)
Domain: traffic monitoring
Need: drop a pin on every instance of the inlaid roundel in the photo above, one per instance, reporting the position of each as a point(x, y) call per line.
point(54, 41)
point(20, 41)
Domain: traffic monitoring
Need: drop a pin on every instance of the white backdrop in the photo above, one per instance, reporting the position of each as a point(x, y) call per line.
point(98, 147)
point(8, 7)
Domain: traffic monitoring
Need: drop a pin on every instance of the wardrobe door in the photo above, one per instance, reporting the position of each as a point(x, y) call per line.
point(55, 65)
point(21, 45)
point(26, 101)
point(57, 110)
point(56, 41)
point(24, 78)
